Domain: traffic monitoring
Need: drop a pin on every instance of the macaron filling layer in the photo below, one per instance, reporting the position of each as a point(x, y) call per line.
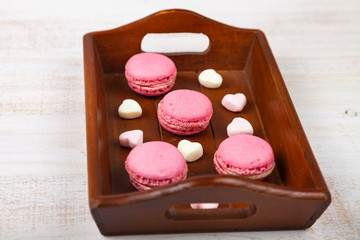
point(151, 88)
point(150, 83)
point(141, 183)
point(243, 171)
point(256, 174)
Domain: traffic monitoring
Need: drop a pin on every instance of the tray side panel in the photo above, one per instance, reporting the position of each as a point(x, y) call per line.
point(289, 156)
point(96, 126)
point(269, 213)
point(227, 43)
point(299, 131)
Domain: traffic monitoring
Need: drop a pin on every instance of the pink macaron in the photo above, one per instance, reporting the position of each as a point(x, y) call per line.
point(155, 164)
point(245, 155)
point(184, 112)
point(150, 74)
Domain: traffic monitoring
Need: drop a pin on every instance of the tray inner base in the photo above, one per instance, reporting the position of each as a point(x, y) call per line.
point(115, 85)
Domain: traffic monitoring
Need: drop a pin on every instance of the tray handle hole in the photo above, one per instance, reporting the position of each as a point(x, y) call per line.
point(210, 211)
point(180, 43)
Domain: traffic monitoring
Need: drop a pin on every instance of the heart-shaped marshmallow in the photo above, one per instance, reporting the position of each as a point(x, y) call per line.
point(210, 78)
point(239, 125)
point(129, 109)
point(191, 151)
point(234, 102)
point(204, 205)
point(131, 138)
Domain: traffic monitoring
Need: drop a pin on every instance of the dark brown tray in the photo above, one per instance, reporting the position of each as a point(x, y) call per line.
point(292, 197)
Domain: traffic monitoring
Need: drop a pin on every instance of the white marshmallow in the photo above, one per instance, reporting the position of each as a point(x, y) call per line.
point(210, 78)
point(129, 109)
point(234, 102)
point(239, 125)
point(191, 151)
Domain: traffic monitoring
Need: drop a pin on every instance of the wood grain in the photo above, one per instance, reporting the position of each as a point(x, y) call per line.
point(43, 181)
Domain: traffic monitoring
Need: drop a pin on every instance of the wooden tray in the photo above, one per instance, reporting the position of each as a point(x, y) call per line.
point(292, 197)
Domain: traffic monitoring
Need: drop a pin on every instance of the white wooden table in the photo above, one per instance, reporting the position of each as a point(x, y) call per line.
point(43, 181)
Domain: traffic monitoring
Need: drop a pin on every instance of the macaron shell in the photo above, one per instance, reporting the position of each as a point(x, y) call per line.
point(245, 155)
point(179, 127)
point(186, 105)
point(245, 151)
point(150, 67)
point(156, 161)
